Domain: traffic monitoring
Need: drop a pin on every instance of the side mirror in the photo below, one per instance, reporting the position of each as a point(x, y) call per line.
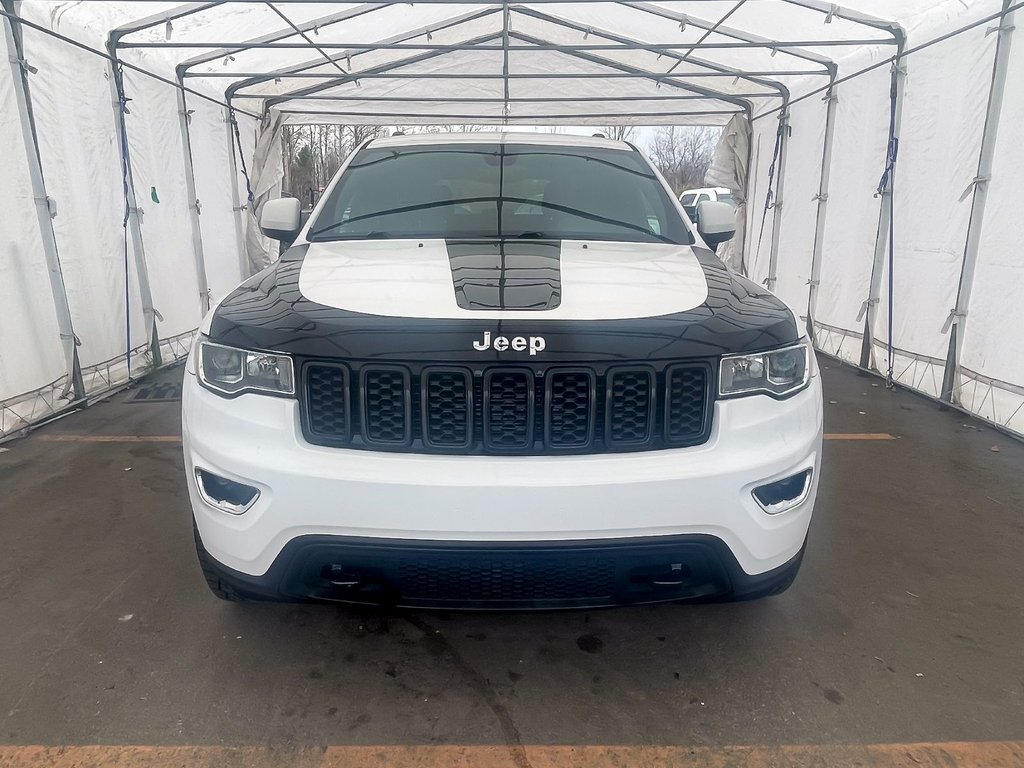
point(281, 219)
point(716, 222)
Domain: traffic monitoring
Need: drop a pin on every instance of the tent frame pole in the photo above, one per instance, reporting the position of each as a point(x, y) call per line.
point(236, 203)
point(958, 315)
point(832, 100)
point(33, 157)
point(780, 189)
point(194, 206)
point(869, 309)
point(118, 101)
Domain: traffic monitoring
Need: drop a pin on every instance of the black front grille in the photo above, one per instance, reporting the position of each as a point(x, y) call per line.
point(522, 409)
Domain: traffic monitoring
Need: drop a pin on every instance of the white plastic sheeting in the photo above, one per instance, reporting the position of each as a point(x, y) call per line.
point(729, 169)
point(703, 62)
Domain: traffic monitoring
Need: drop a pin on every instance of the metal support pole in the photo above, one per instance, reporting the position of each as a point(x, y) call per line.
point(869, 309)
point(194, 207)
point(780, 181)
point(119, 103)
point(236, 203)
point(44, 215)
point(958, 316)
point(813, 283)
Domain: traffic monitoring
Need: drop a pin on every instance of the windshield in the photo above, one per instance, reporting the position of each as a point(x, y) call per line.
point(495, 190)
point(726, 197)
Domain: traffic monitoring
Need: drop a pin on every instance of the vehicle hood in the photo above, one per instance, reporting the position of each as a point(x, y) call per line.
point(430, 300)
point(513, 279)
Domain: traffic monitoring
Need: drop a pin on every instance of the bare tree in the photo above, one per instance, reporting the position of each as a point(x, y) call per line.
point(313, 154)
point(683, 154)
point(619, 132)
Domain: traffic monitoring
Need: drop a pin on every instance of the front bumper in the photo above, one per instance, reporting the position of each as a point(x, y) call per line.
point(506, 576)
point(308, 490)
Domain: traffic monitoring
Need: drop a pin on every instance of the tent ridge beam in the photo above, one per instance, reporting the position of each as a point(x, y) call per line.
point(305, 36)
point(526, 99)
point(797, 50)
point(318, 23)
point(829, 9)
point(173, 14)
point(261, 77)
point(383, 69)
point(782, 46)
point(371, 75)
point(752, 77)
point(485, 119)
point(656, 77)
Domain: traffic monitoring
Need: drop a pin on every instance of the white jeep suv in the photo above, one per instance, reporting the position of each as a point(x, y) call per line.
point(500, 371)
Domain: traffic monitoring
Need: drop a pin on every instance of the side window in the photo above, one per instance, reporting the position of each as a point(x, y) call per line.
point(704, 196)
point(687, 199)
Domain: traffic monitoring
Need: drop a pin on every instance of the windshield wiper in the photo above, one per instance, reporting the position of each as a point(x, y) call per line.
point(372, 235)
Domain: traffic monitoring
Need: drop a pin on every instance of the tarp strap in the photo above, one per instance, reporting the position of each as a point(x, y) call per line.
point(241, 158)
point(769, 199)
point(888, 184)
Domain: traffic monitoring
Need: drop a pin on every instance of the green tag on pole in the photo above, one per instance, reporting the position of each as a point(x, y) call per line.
point(153, 196)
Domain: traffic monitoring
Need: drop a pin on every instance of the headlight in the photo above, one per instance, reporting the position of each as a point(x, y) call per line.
point(779, 373)
point(233, 371)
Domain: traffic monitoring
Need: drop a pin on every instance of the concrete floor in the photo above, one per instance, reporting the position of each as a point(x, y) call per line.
point(905, 625)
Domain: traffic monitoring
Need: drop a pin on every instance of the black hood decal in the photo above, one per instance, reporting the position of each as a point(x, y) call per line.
point(506, 274)
point(269, 312)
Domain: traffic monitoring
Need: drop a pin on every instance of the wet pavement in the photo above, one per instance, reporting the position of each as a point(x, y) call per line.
point(905, 624)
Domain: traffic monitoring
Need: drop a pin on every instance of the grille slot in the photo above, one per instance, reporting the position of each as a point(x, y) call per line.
point(327, 401)
point(495, 409)
point(685, 402)
point(508, 409)
point(447, 406)
point(386, 401)
point(569, 408)
point(630, 406)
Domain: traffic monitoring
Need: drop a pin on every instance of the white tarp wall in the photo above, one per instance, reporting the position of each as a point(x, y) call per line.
point(690, 62)
point(76, 129)
point(945, 99)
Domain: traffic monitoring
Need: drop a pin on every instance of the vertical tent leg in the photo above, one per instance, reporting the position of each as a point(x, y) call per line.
point(132, 212)
point(194, 208)
point(23, 104)
point(958, 316)
point(869, 309)
point(819, 225)
point(773, 255)
point(236, 204)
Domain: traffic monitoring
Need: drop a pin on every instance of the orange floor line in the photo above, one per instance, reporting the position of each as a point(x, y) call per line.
point(978, 754)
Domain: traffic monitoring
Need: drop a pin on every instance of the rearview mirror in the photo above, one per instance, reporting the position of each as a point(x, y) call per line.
point(716, 222)
point(281, 219)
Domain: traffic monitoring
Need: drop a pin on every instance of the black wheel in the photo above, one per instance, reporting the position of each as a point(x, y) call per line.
point(212, 575)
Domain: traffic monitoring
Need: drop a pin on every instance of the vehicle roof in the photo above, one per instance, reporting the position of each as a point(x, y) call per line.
point(499, 137)
point(698, 190)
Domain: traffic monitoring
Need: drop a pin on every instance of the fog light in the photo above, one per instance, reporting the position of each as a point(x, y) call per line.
point(783, 494)
point(225, 495)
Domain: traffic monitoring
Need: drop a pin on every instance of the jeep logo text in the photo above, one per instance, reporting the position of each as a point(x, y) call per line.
point(516, 343)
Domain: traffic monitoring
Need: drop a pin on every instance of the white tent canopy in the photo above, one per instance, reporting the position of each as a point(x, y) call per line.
point(142, 136)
